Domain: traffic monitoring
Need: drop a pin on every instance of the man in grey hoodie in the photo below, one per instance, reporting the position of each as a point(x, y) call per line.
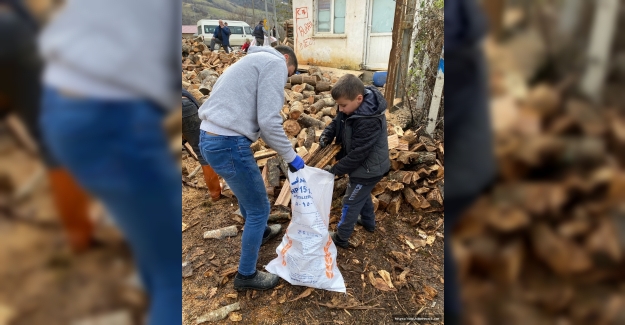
point(245, 104)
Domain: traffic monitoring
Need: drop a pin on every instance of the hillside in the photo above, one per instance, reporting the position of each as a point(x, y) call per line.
point(194, 10)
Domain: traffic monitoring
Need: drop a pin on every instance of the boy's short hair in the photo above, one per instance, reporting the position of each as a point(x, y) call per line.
point(287, 50)
point(349, 87)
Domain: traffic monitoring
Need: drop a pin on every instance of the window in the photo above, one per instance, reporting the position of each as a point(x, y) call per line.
point(383, 16)
point(236, 30)
point(209, 29)
point(248, 31)
point(331, 16)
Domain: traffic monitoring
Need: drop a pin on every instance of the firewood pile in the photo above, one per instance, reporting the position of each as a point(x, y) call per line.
point(553, 226)
point(289, 38)
point(201, 67)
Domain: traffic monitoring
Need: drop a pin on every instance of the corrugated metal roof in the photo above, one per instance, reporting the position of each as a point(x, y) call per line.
point(189, 29)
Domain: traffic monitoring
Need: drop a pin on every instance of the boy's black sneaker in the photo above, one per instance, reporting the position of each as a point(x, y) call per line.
point(261, 281)
point(338, 241)
point(359, 221)
point(274, 230)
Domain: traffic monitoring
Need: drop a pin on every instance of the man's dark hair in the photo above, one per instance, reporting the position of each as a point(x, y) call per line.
point(261, 22)
point(287, 50)
point(349, 87)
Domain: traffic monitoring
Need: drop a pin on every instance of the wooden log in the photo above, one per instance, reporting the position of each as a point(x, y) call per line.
point(394, 205)
point(273, 171)
point(287, 86)
point(301, 137)
point(393, 141)
point(265, 154)
point(297, 108)
point(229, 231)
point(317, 106)
point(291, 127)
point(284, 167)
point(288, 95)
point(313, 149)
point(310, 138)
point(299, 79)
point(301, 151)
point(326, 120)
point(322, 86)
point(340, 185)
point(408, 157)
point(297, 96)
point(329, 111)
point(396, 165)
point(308, 94)
point(306, 121)
point(279, 216)
point(384, 200)
point(322, 157)
point(285, 195)
point(298, 88)
point(379, 188)
point(403, 145)
point(401, 176)
point(376, 203)
point(434, 197)
point(412, 198)
point(394, 186)
point(409, 137)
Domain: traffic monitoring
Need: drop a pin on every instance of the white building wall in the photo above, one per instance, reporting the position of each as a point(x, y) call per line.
point(344, 51)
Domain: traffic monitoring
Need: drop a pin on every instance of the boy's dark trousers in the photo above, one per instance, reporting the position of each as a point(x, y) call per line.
point(357, 201)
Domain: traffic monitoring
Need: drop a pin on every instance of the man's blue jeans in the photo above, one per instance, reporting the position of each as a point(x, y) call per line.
point(231, 157)
point(118, 152)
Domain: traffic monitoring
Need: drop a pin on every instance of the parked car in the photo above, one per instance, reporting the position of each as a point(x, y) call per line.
point(239, 30)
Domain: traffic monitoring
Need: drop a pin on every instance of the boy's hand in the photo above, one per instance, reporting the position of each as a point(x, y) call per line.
point(324, 141)
point(328, 168)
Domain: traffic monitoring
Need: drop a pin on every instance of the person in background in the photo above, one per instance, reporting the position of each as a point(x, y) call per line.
point(102, 117)
point(236, 114)
point(259, 33)
point(273, 31)
point(20, 93)
point(221, 36)
point(191, 133)
point(469, 160)
point(360, 128)
point(246, 45)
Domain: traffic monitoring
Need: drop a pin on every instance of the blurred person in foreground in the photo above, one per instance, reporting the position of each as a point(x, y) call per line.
point(20, 92)
point(469, 161)
point(106, 91)
point(237, 113)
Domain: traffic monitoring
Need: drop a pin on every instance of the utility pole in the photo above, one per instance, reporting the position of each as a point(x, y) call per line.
point(266, 14)
point(275, 20)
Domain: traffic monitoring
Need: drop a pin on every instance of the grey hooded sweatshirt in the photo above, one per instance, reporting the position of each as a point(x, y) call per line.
point(247, 98)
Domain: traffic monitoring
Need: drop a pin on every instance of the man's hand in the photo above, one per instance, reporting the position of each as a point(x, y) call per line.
point(296, 164)
point(324, 141)
point(327, 168)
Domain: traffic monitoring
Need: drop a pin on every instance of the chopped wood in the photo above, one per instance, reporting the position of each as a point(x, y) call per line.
point(291, 127)
point(394, 186)
point(393, 142)
point(434, 197)
point(408, 157)
point(307, 121)
point(560, 254)
point(280, 216)
point(299, 79)
point(301, 151)
point(322, 86)
point(376, 203)
point(322, 157)
point(265, 154)
point(401, 176)
point(396, 165)
point(384, 200)
point(394, 205)
point(297, 108)
point(285, 195)
point(403, 145)
point(221, 233)
point(340, 186)
point(379, 188)
point(412, 198)
point(310, 138)
point(298, 88)
point(273, 172)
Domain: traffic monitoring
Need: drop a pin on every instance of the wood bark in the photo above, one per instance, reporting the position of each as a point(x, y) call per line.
point(306, 121)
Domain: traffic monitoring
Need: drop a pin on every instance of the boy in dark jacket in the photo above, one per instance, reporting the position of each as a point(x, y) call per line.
point(360, 128)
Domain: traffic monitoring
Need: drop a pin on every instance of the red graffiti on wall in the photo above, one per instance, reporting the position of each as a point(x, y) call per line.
point(303, 27)
point(301, 13)
point(306, 43)
point(303, 30)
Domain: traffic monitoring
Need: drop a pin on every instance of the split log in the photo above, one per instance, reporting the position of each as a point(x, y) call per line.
point(401, 176)
point(284, 167)
point(268, 188)
point(265, 154)
point(384, 200)
point(301, 137)
point(308, 94)
point(299, 88)
point(291, 127)
point(394, 205)
point(376, 203)
point(297, 96)
point(321, 103)
point(326, 120)
point(273, 171)
point(301, 151)
point(408, 157)
point(322, 157)
point(313, 149)
point(434, 197)
point(307, 121)
point(322, 86)
point(396, 165)
point(340, 185)
point(403, 145)
point(285, 195)
point(379, 188)
point(310, 138)
point(287, 86)
point(394, 186)
point(415, 200)
point(393, 141)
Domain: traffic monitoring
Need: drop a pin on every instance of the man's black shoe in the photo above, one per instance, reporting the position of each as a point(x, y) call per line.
point(262, 281)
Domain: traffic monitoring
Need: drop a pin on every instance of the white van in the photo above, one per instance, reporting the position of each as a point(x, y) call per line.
point(239, 30)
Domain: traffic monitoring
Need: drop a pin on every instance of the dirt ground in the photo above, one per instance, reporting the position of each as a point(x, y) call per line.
point(41, 281)
point(210, 286)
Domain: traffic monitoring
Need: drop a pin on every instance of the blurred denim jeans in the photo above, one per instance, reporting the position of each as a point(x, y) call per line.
point(231, 157)
point(117, 150)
